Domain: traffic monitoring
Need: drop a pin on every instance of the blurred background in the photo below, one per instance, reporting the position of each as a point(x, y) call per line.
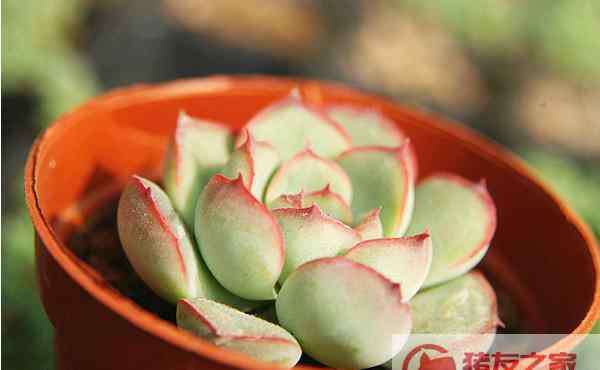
point(526, 74)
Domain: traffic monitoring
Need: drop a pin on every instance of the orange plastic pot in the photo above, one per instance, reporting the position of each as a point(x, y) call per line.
point(542, 255)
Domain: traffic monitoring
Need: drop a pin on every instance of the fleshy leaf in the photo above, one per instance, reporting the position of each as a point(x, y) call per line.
point(255, 161)
point(308, 172)
point(239, 239)
point(370, 226)
point(288, 201)
point(160, 250)
point(235, 330)
point(405, 261)
point(210, 288)
point(460, 315)
point(461, 219)
point(289, 125)
point(331, 203)
point(309, 234)
point(155, 240)
point(381, 177)
point(198, 150)
point(344, 314)
point(368, 127)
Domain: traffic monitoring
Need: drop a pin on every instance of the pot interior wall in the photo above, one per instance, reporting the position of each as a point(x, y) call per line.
point(538, 261)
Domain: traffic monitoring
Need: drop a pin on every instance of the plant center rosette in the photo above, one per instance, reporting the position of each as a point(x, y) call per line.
point(306, 232)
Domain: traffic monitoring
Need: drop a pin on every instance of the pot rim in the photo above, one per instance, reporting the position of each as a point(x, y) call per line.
point(249, 84)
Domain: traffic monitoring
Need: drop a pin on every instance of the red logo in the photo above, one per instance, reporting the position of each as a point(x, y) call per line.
point(432, 357)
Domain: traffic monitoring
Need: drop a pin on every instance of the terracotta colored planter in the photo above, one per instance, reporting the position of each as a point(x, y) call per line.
point(542, 255)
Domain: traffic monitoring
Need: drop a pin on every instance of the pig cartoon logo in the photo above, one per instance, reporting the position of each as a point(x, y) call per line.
point(432, 357)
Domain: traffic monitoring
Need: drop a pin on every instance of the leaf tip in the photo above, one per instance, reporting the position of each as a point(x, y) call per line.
point(405, 150)
point(314, 211)
point(481, 186)
point(420, 238)
point(498, 322)
point(247, 142)
point(140, 183)
point(308, 151)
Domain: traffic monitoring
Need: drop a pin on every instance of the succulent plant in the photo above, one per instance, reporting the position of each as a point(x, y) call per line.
point(313, 213)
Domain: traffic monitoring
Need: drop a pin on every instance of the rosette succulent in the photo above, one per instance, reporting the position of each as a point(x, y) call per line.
point(305, 231)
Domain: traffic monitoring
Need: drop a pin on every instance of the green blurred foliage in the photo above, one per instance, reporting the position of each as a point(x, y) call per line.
point(26, 332)
point(39, 57)
point(568, 35)
point(490, 26)
point(560, 35)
